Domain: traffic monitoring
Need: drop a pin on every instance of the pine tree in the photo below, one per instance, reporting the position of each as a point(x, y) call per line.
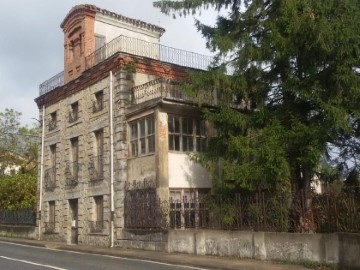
point(295, 75)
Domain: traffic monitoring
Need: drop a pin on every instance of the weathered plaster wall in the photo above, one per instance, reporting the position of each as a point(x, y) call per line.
point(185, 173)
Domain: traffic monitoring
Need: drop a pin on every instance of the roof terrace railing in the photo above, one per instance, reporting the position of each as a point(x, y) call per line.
point(151, 50)
point(136, 47)
point(52, 83)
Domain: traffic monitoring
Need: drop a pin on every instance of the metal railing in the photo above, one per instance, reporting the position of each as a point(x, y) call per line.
point(50, 178)
point(151, 50)
point(72, 173)
point(49, 227)
point(136, 47)
point(52, 83)
point(96, 226)
point(73, 116)
point(18, 217)
point(96, 168)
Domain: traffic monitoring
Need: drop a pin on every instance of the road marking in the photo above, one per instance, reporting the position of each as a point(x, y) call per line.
point(33, 263)
point(109, 256)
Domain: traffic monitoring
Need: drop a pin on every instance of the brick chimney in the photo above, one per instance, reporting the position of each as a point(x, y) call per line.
point(78, 28)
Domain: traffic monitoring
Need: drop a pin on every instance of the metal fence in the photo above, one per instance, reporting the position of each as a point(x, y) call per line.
point(259, 211)
point(18, 217)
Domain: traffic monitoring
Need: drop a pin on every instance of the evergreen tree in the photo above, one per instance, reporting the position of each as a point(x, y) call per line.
point(295, 78)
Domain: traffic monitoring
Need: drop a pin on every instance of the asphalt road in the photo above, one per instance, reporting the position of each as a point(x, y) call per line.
point(21, 257)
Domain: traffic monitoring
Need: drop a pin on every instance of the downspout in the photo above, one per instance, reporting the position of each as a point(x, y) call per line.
point(111, 163)
point(41, 169)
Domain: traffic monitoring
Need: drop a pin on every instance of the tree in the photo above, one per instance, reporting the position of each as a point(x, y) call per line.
point(295, 75)
point(18, 143)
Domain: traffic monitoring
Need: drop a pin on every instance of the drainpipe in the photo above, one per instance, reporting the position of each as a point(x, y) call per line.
point(111, 163)
point(41, 168)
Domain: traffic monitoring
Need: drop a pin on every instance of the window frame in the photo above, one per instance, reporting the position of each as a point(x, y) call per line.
point(185, 137)
point(142, 136)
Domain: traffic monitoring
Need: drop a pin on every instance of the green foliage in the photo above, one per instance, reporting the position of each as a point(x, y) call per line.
point(18, 191)
point(18, 143)
point(296, 85)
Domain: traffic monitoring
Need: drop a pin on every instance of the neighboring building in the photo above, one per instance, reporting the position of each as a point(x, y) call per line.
point(115, 119)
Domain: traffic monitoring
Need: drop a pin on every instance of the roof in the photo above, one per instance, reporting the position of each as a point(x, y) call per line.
point(95, 9)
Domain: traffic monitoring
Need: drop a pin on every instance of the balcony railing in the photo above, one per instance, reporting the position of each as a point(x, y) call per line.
point(72, 173)
point(96, 226)
point(136, 47)
point(52, 83)
point(165, 88)
point(49, 227)
point(50, 178)
point(73, 116)
point(96, 168)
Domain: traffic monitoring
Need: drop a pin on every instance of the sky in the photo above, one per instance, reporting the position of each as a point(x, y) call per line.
point(31, 43)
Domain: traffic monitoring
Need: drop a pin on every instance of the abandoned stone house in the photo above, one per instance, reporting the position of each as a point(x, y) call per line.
point(115, 120)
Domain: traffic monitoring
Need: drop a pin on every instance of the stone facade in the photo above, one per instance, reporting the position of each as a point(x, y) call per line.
point(87, 167)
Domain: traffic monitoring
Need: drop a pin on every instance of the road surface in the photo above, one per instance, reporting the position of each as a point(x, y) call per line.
point(22, 257)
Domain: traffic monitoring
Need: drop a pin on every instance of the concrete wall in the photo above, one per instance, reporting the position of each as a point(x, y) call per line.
point(27, 232)
point(342, 248)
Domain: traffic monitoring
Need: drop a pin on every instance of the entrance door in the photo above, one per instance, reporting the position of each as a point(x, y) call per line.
point(74, 220)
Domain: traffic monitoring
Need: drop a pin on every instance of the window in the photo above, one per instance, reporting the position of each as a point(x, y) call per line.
point(72, 167)
point(142, 136)
point(99, 41)
point(187, 209)
point(97, 225)
point(53, 121)
point(50, 224)
point(96, 168)
point(50, 172)
point(186, 134)
point(98, 104)
point(74, 112)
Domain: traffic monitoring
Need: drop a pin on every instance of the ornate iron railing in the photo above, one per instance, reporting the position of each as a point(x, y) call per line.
point(143, 208)
point(52, 83)
point(96, 168)
point(72, 173)
point(50, 178)
point(137, 47)
point(49, 227)
point(96, 226)
point(18, 217)
point(73, 116)
point(52, 124)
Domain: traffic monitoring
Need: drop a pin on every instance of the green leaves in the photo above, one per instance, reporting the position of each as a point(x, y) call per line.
point(297, 67)
point(18, 191)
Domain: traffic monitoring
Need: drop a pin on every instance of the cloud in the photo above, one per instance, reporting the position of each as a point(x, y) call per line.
point(31, 47)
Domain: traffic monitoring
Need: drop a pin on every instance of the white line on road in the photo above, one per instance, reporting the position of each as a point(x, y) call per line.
point(109, 256)
point(33, 263)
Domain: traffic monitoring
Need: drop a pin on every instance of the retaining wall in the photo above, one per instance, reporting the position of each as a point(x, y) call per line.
point(26, 232)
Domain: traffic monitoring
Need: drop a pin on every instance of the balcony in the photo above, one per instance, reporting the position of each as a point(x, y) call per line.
point(50, 178)
point(72, 173)
point(171, 90)
point(136, 47)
